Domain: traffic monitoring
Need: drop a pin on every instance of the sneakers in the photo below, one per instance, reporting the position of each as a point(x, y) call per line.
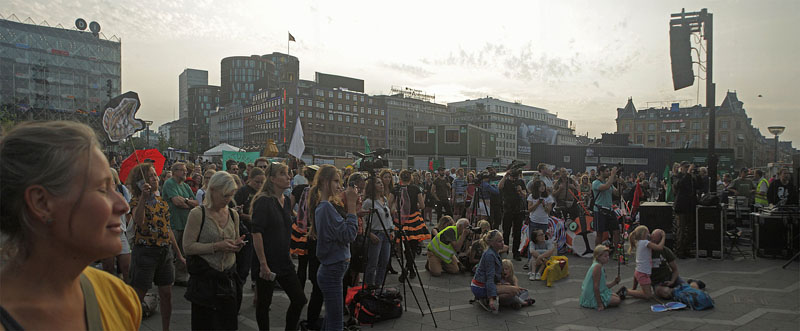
point(534, 276)
point(622, 292)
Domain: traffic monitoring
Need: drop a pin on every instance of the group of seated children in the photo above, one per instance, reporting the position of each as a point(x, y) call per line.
point(596, 292)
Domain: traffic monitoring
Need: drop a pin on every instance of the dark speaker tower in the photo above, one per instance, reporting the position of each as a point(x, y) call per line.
point(680, 52)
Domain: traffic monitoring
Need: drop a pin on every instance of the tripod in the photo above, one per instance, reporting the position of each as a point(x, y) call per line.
point(476, 205)
point(400, 258)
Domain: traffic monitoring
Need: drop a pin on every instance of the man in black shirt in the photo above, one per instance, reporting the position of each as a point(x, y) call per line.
point(685, 202)
point(782, 191)
point(441, 194)
point(512, 189)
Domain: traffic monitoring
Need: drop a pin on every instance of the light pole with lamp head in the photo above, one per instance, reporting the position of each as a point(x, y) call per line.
point(777, 131)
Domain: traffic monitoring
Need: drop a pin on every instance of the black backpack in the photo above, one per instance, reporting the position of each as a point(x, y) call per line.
point(370, 305)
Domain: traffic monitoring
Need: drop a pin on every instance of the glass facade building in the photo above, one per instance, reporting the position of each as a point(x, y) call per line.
point(49, 70)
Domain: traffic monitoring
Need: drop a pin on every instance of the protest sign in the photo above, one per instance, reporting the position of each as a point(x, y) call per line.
point(246, 157)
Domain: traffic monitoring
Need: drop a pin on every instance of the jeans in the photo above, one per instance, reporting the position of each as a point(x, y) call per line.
point(297, 299)
point(377, 259)
point(329, 278)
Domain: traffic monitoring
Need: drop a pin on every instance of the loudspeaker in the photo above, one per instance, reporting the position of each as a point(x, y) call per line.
point(658, 215)
point(709, 232)
point(773, 236)
point(680, 52)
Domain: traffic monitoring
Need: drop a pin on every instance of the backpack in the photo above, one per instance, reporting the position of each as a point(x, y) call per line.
point(371, 305)
point(692, 297)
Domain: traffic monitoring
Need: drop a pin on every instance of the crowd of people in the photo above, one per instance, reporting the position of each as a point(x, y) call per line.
point(208, 229)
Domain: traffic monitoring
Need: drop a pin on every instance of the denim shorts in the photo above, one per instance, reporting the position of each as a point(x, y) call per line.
point(151, 264)
point(478, 292)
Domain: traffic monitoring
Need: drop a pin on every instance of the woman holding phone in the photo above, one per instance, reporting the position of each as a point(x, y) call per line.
point(272, 226)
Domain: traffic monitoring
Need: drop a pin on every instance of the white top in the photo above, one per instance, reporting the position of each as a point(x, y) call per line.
point(381, 215)
point(299, 180)
point(644, 257)
point(201, 193)
point(539, 215)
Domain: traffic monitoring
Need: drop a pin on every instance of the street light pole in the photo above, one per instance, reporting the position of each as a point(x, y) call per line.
point(777, 131)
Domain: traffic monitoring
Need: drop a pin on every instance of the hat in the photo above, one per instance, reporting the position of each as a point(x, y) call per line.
point(313, 167)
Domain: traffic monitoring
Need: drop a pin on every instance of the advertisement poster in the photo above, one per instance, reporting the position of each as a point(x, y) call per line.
point(529, 132)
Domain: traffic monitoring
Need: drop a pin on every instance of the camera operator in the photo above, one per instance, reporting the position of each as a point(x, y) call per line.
point(442, 249)
point(512, 189)
point(495, 201)
point(685, 202)
point(565, 191)
point(441, 194)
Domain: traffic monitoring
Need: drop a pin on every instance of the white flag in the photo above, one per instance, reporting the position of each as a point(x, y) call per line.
point(297, 146)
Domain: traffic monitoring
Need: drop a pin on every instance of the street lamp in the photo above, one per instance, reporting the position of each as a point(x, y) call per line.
point(776, 130)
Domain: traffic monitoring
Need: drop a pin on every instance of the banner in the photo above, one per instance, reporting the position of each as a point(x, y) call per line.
point(246, 157)
point(118, 116)
point(529, 131)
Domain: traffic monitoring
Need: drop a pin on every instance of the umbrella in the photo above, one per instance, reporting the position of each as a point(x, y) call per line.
point(139, 156)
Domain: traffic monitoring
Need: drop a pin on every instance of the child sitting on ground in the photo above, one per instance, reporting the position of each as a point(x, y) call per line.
point(508, 288)
point(595, 292)
point(639, 239)
point(540, 250)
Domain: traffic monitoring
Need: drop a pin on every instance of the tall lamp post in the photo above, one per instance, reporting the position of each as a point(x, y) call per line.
point(777, 131)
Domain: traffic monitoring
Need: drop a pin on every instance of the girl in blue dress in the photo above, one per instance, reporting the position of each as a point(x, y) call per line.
point(595, 292)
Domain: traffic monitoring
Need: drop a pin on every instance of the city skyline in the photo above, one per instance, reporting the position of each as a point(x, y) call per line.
point(582, 58)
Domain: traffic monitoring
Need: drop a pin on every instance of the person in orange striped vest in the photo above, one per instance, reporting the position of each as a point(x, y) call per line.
point(408, 207)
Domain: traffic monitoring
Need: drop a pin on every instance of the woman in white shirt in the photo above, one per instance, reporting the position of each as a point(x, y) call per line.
point(379, 243)
point(540, 204)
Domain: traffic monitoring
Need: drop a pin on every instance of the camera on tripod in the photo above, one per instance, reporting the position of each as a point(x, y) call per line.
point(374, 160)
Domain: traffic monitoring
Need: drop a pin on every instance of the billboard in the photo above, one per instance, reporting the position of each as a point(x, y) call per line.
point(530, 132)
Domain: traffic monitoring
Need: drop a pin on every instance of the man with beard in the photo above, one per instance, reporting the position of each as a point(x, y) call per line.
point(180, 199)
point(782, 191)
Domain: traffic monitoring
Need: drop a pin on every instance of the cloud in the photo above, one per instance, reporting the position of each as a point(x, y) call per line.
point(415, 71)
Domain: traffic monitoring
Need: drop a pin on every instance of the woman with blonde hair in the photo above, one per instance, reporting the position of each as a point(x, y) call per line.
point(60, 212)
point(335, 227)
point(212, 236)
point(271, 214)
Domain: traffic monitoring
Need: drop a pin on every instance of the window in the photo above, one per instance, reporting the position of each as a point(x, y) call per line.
point(330, 105)
point(651, 127)
point(347, 96)
point(451, 136)
point(639, 127)
point(627, 127)
point(339, 106)
point(362, 100)
point(362, 120)
point(310, 114)
point(291, 101)
point(347, 107)
point(339, 118)
point(346, 118)
point(651, 138)
point(724, 124)
point(330, 117)
point(420, 136)
point(340, 95)
point(362, 107)
point(302, 102)
point(301, 113)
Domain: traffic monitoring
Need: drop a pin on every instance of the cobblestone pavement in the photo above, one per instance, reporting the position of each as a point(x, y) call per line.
point(749, 295)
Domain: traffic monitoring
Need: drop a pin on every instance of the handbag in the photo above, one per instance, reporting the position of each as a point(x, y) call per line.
point(207, 286)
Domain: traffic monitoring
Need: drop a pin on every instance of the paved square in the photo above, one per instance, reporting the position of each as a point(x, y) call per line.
point(749, 295)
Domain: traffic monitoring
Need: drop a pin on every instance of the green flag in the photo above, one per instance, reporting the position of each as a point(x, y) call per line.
point(668, 178)
point(366, 146)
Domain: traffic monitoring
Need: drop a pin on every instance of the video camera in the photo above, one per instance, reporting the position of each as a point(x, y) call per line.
point(515, 168)
point(373, 160)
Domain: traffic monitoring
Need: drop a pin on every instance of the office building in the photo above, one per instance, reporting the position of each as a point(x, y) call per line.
point(335, 121)
point(189, 78)
point(407, 107)
point(516, 126)
point(203, 100)
point(450, 146)
point(687, 127)
point(57, 73)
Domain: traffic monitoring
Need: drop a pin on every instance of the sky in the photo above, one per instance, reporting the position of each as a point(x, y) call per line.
point(579, 59)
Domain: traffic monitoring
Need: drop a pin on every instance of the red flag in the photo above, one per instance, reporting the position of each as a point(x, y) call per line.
point(637, 195)
point(291, 37)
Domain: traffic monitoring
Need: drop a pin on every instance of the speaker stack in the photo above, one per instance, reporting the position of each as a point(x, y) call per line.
point(658, 215)
point(709, 231)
